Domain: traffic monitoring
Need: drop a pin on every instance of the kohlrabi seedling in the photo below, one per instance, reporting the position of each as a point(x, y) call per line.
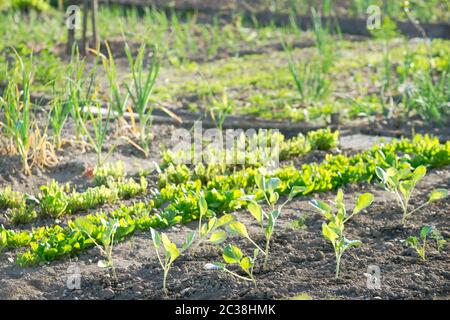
point(232, 255)
point(211, 230)
point(171, 251)
point(419, 244)
point(401, 183)
point(105, 242)
point(267, 221)
point(333, 231)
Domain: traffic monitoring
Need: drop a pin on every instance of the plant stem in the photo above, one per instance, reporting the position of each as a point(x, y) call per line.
point(266, 258)
point(338, 263)
point(166, 271)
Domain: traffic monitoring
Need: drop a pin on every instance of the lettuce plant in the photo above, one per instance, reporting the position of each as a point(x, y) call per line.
point(11, 199)
point(104, 242)
point(232, 255)
point(333, 231)
point(402, 181)
point(109, 171)
point(170, 250)
point(419, 244)
point(267, 221)
point(21, 215)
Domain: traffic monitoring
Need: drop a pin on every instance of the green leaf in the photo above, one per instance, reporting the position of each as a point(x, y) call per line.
point(295, 191)
point(256, 211)
point(189, 240)
point(239, 228)
point(419, 173)
point(329, 234)
point(203, 206)
point(426, 230)
point(84, 225)
point(381, 174)
point(3, 239)
point(245, 264)
point(273, 184)
point(321, 206)
point(232, 254)
point(225, 220)
point(156, 237)
point(412, 241)
point(218, 237)
point(339, 200)
point(351, 243)
point(438, 194)
point(170, 247)
point(363, 202)
point(260, 182)
point(406, 188)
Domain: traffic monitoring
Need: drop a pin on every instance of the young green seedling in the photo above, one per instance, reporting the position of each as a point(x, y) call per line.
point(401, 183)
point(333, 231)
point(58, 116)
point(3, 238)
point(104, 242)
point(267, 221)
point(233, 255)
point(419, 244)
point(171, 251)
point(212, 228)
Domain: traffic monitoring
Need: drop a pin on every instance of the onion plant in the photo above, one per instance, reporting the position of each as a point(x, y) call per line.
point(140, 91)
point(17, 121)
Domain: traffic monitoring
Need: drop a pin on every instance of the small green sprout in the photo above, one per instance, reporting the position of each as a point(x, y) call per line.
point(267, 221)
point(232, 255)
point(104, 242)
point(402, 182)
point(419, 244)
point(333, 231)
point(171, 251)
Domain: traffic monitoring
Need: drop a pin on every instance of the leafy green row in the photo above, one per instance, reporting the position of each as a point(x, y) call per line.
point(251, 148)
point(225, 193)
point(56, 200)
point(179, 186)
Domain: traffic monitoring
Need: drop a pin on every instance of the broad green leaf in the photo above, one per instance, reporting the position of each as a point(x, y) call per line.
point(84, 225)
point(339, 200)
point(426, 230)
point(381, 174)
point(245, 264)
point(211, 223)
point(260, 182)
point(406, 188)
point(232, 254)
point(170, 247)
point(419, 173)
point(363, 202)
point(295, 191)
point(438, 194)
point(273, 184)
point(203, 206)
point(328, 233)
point(189, 240)
point(156, 237)
point(218, 237)
point(321, 206)
point(351, 243)
point(273, 197)
point(239, 228)
point(224, 220)
point(256, 211)
point(3, 239)
point(412, 241)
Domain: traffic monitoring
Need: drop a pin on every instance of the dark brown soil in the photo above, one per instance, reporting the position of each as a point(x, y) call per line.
point(301, 260)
